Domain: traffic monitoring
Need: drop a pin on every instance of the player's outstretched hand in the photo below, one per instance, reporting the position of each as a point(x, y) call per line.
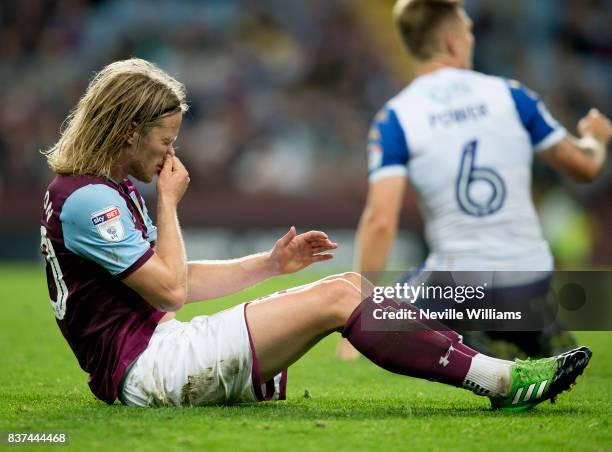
point(173, 180)
point(596, 125)
point(293, 252)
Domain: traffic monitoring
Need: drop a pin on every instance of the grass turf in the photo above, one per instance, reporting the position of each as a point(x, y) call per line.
point(349, 405)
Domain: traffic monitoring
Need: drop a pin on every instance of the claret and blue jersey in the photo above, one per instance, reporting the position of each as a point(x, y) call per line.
point(466, 142)
point(94, 232)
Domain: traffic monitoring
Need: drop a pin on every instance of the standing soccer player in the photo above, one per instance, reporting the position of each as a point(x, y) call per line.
point(466, 142)
point(116, 280)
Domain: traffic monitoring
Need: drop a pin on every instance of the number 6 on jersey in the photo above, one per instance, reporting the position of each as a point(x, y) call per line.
point(468, 174)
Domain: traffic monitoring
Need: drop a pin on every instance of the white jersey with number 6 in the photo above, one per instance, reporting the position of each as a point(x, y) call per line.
point(466, 142)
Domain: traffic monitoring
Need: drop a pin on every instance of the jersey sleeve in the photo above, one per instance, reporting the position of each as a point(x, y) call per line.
point(388, 152)
point(544, 131)
point(97, 225)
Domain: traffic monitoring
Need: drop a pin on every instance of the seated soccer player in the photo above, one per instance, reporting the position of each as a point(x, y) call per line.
point(116, 280)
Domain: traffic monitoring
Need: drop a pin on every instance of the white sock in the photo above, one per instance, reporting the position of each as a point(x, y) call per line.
point(488, 376)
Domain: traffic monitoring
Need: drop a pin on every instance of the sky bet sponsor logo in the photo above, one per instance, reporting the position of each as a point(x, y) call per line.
point(108, 224)
point(105, 215)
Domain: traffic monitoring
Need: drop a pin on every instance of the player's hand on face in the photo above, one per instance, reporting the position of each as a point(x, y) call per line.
point(597, 125)
point(173, 179)
point(292, 252)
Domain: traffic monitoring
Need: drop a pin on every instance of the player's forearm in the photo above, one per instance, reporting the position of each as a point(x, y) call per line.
point(213, 279)
point(582, 158)
point(579, 159)
point(373, 242)
point(589, 162)
point(170, 248)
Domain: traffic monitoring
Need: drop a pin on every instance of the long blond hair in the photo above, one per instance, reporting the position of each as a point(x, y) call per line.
point(121, 94)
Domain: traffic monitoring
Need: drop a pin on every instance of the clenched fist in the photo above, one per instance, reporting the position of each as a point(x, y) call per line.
point(596, 125)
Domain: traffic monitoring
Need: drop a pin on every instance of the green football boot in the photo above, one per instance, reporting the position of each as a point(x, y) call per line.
point(534, 381)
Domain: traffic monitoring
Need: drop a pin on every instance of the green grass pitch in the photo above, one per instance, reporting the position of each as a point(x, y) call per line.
point(349, 405)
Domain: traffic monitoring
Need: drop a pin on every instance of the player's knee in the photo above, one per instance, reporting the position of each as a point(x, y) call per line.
point(361, 282)
point(353, 277)
point(337, 299)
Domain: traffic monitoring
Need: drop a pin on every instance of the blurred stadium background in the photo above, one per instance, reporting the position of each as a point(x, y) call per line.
point(282, 93)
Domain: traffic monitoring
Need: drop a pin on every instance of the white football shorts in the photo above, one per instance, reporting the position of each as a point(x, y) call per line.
point(207, 361)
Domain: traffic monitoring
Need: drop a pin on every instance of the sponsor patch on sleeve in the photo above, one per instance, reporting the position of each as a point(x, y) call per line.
point(375, 156)
point(108, 223)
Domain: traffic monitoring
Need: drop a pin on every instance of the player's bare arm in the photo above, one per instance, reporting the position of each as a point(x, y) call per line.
point(166, 280)
point(378, 224)
point(291, 253)
point(581, 159)
point(162, 280)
